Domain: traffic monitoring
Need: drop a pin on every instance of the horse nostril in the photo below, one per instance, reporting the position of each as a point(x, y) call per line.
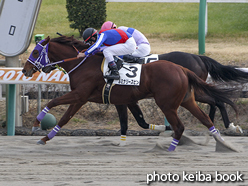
point(23, 71)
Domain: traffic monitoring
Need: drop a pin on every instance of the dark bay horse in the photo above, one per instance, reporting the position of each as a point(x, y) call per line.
point(201, 66)
point(169, 84)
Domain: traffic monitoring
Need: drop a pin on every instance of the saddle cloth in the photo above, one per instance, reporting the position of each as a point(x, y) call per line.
point(149, 58)
point(129, 73)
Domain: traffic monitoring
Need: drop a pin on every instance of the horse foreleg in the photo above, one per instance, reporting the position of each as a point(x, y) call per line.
point(41, 115)
point(75, 99)
point(69, 98)
point(73, 108)
point(226, 120)
point(138, 115)
point(123, 117)
point(223, 112)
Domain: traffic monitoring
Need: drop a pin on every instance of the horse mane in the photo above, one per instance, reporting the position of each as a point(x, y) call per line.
point(71, 41)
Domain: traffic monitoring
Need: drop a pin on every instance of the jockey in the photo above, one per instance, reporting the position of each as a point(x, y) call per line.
point(143, 47)
point(117, 42)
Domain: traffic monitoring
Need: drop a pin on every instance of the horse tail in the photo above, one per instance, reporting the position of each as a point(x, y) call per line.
point(219, 95)
point(221, 72)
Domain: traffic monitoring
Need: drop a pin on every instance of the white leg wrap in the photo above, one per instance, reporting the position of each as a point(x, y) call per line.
point(123, 141)
point(160, 128)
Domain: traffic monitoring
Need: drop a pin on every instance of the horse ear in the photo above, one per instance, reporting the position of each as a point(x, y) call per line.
point(47, 39)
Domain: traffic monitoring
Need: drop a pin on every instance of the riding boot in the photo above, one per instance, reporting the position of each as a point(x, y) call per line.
point(114, 71)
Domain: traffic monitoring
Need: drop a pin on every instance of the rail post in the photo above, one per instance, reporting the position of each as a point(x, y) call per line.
point(201, 26)
point(11, 99)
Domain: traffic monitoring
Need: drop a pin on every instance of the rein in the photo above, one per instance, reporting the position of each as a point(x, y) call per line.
point(78, 65)
point(69, 59)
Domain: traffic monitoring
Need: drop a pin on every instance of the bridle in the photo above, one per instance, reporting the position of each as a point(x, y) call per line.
point(43, 59)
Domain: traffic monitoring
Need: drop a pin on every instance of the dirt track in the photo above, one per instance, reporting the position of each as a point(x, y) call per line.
point(78, 161)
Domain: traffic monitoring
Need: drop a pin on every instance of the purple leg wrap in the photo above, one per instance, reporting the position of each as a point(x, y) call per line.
point(213, 130)
point(42, 113)
point(53, 132)
point(173, 145)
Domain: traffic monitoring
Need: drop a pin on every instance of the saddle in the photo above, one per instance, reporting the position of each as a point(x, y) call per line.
point(140, 60)
point(132, 59)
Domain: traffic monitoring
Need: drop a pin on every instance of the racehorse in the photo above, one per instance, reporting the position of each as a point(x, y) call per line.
point(201, 66)
point(86, 82)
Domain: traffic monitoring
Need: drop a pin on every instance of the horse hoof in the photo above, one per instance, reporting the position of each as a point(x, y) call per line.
point(239, 129)
point(40, 142)
point(218, 137)
point(123, 144)
point(236, 128)
point(161, 128)
point(35, 129)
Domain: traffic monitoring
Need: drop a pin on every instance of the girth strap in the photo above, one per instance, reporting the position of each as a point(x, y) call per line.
point(106, 91)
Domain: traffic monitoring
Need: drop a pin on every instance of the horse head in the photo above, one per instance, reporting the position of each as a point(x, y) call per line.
point(38, 59)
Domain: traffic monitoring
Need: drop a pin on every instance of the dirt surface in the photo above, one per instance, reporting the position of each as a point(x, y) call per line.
point(98, 161)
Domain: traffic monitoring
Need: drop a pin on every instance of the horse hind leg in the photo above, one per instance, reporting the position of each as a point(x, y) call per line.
point(139, 117)
point(201, 116)
point(213, 105)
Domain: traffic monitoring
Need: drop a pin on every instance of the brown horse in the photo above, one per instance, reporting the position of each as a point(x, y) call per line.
point(171, 86)
point(202, 66)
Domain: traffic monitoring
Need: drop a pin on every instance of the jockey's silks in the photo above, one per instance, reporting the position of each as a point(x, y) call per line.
point(109, 37)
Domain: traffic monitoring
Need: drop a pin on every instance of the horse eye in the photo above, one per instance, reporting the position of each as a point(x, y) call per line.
point(35, 53)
